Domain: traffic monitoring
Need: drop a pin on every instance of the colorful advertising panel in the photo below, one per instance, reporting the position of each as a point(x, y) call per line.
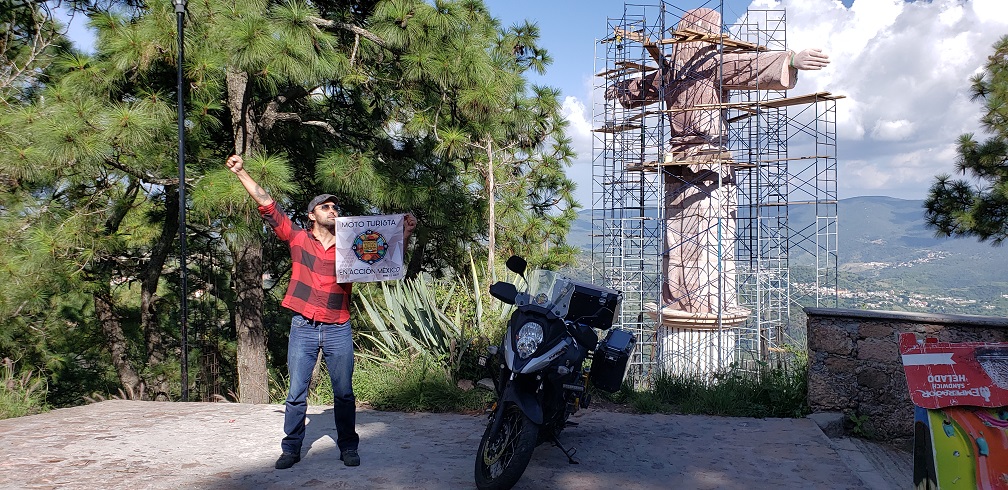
point(961, 419)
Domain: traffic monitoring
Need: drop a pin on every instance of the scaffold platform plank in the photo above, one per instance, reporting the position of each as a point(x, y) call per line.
point(809, 157)
point(642, 115)
point(791, 203)
point(754, 105)
point(645, 166)
point(626, 68)
point(722, 157)
point(617, 128)
point(692, 35)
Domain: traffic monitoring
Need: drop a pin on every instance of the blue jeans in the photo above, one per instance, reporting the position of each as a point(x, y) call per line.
point(307, 338)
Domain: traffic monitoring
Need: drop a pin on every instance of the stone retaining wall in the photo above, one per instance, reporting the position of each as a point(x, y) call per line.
point(855, 366)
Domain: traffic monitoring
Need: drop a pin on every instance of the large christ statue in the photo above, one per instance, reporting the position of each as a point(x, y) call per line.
point(700, 200)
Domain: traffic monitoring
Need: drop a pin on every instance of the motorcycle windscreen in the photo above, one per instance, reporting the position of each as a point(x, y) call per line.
point(551, 291)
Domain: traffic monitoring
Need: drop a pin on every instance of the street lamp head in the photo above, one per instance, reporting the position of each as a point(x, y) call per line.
point(180, 6)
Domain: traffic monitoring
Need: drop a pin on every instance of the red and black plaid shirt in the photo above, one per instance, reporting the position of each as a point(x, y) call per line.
point(313, 291)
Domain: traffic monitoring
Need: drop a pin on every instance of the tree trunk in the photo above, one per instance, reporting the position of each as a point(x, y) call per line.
point(112, 327)
point(243, 123)
point(417, 255)
point(253, 374)
point(150, 277)
point(492, 225)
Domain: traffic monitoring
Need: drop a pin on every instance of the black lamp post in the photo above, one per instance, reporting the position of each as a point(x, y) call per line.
point(180, 8)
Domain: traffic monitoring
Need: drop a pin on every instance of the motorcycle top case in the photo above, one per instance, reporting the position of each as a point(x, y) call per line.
point(588, 299)
point(610, 363)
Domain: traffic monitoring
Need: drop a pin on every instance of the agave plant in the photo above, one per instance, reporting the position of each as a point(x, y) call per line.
point(413, 319)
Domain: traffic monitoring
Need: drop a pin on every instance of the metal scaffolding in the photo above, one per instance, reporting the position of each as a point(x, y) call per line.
point(716, 237)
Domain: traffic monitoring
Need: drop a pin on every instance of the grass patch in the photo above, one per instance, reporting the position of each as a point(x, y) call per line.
point(403, 384)
point(420, 384)
point(20, 393)
point(413, 385)
point(777, 392)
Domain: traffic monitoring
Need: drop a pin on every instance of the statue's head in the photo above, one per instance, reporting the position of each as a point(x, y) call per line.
point(701, 19)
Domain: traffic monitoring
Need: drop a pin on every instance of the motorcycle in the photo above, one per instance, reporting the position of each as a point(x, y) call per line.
point(540, 371)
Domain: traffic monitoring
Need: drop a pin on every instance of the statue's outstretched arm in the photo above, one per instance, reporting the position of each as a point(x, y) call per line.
point(775, 70)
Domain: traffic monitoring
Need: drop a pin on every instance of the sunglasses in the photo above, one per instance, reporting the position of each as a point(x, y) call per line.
point(327, 207)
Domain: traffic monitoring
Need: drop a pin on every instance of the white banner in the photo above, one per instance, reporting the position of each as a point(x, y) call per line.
point(369, 248)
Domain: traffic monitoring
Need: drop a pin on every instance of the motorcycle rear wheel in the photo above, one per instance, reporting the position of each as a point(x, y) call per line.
point(502, 457)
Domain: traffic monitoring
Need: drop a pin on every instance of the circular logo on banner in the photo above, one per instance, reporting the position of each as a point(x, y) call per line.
point(370, 247)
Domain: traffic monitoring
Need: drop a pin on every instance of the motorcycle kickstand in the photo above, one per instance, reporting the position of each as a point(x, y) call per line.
point(567, 452)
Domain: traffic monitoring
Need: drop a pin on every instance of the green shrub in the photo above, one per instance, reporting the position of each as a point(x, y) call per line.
point(21, 393)
point(860, 425)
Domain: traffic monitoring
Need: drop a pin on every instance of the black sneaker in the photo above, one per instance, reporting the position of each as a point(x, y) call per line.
point(287, 460)
point(350, 457)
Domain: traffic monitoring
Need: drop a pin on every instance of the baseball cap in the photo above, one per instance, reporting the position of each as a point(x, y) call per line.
point(321, 198)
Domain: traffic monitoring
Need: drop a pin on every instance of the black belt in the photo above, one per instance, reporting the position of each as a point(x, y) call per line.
point(316, 323)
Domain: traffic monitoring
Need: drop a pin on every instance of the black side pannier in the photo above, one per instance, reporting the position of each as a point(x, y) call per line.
point(611, 360)
point(593, 305)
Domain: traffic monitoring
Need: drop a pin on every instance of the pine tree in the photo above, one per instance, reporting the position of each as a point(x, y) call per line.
point(31, 38)
point(960, 208)
point(414, 113)
point(78, 163)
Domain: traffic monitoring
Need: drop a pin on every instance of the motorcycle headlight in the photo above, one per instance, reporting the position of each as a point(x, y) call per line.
point(529, 337)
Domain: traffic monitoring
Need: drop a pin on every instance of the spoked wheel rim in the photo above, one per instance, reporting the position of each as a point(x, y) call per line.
point(502, 458)
point(497, 453)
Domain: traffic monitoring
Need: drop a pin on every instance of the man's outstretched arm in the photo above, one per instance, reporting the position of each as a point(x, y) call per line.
point(236, 164)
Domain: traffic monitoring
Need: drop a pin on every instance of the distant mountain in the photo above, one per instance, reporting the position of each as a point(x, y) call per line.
point(889, 259)
point(884, 230)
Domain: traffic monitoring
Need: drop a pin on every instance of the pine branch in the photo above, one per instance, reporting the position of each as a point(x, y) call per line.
point(322, 124)
point(271, 114)
point(144, 176)
point(331, 24)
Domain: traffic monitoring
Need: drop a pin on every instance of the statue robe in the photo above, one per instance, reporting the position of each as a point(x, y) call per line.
point(700, 199)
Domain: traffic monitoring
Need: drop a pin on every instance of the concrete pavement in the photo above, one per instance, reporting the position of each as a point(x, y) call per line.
point(163, 445)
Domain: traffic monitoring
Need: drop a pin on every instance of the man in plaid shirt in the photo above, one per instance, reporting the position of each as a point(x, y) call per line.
point(321, 321)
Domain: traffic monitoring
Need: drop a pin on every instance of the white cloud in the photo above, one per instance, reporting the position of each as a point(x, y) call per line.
point(989, 9)
point(904, 68)
point(892, 130)
point(574, 112)
point(905, 175)
point(580, 133)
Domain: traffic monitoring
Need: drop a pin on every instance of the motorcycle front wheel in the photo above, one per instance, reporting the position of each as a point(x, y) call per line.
point(502, 457)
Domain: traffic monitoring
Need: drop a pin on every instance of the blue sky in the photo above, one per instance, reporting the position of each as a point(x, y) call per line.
point(903, 66)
